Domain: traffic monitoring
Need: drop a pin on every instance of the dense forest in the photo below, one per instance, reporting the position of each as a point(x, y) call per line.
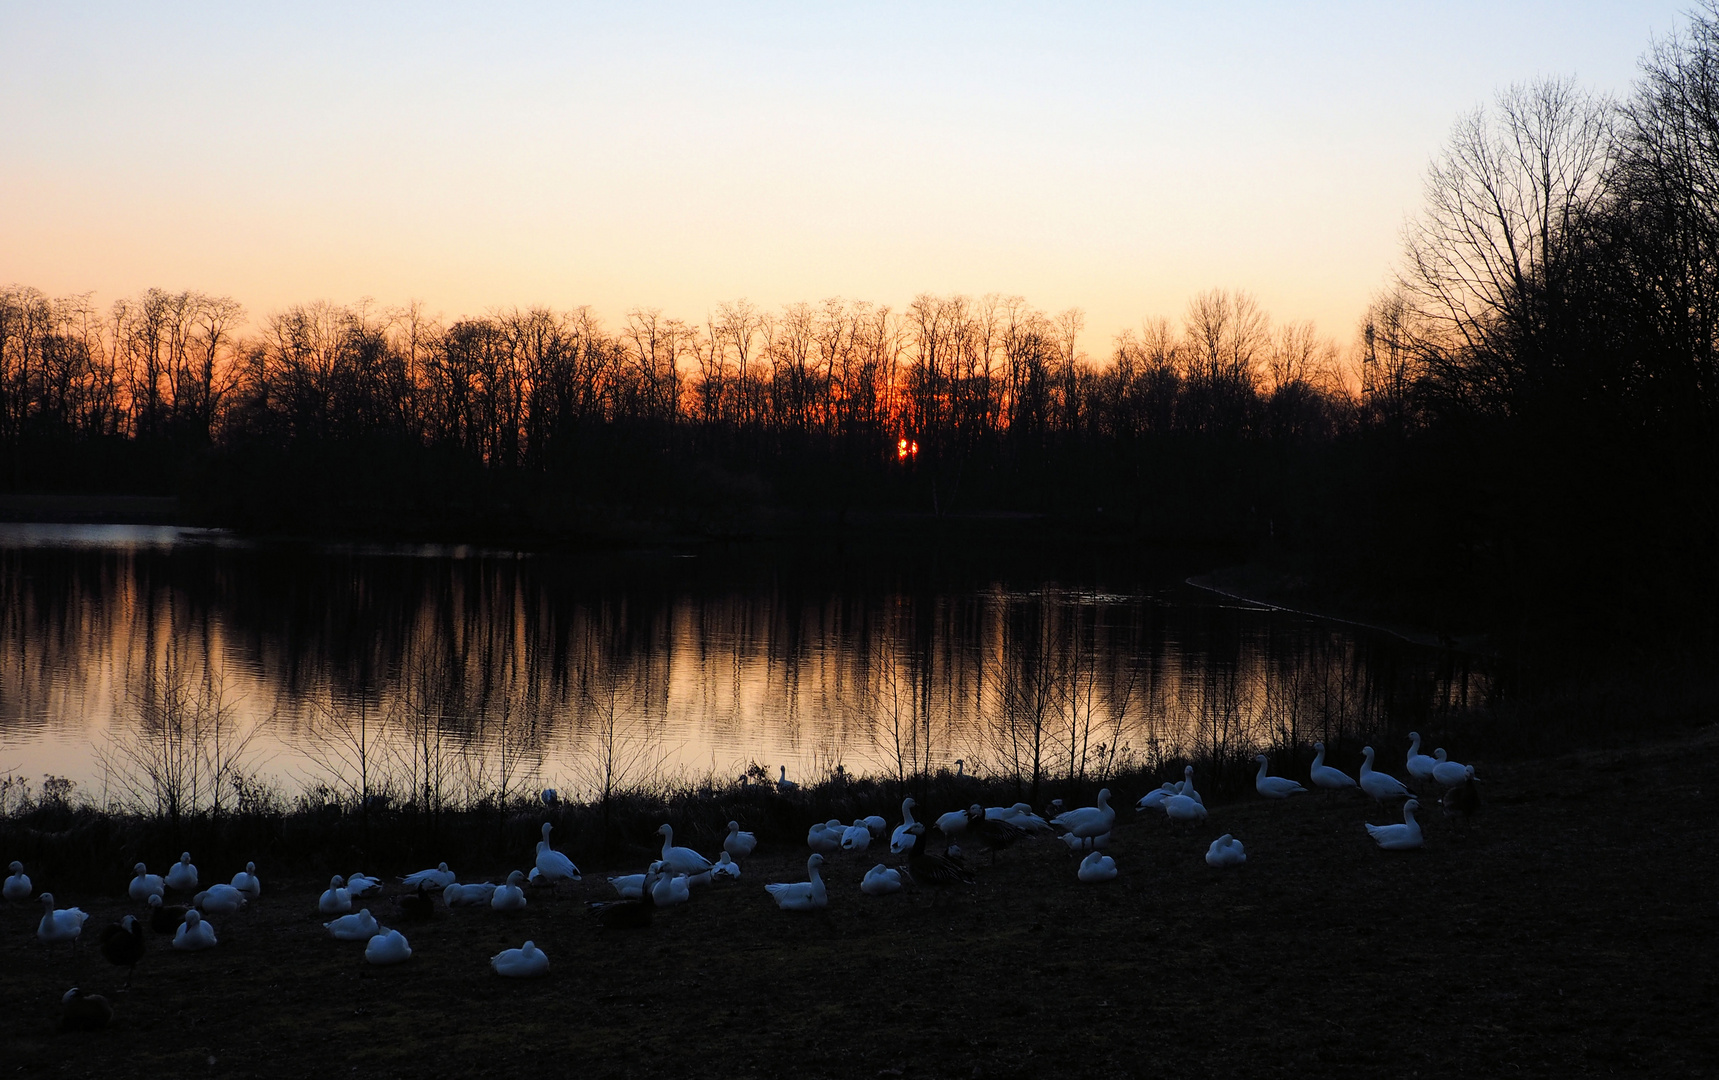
point(1520, 435)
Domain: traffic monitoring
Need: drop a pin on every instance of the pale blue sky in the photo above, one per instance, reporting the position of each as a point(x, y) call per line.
point(1119, 158)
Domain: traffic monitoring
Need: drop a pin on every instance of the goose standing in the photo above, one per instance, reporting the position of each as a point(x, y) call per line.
point(359, 926)
point(802, 895)
point(1325, 776)
point(902, 839)
point(1096, 867)
point(785, 784)
point(738, 844)
point(951, 825)
point(510, 897)
point(476, 894)
point(552, 866)
point(388, 947)
point(856, 837)
point(1447, 772)
point(182, 875)
point(335, 900)
point(881, 880)
point(219, 900)
point(439, 878)
point(247, 883)
point(525, 962)
point(122, 944)
point(17, 885)
point(84, 1012)
point(1274, 787)
point(62, 924)
point(680, 860)
point(1399, 837)
point(1187, 804)
point(1420, 766)
point(194, 933)
point(1226, 850)
point(1088, 821)
point(1381, 786)
point(726, 869)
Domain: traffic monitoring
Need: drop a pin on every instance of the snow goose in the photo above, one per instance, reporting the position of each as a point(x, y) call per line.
point(1186, 804)
point(359, 926)
point(335, 900)
point(785, 784)
point(1447, 772)
point(630, 886)
point(1420, 766)
point(17, 885)
point(1021, 816)
point(1399, 837)
point(62, 924)
point(246, 882)
point(525, 962)
point(439, 878)
point(856, 837)
point(1085, 843)
point(1324, 776)
point(1381, 786)
point(1096, 867)
point(362, 886)
point(668, 889)
point(552, 866)
point(1226, 850)
point(84, 1012)
point(219, 900)
point(182, 875)
point(194, 933)
point(738, 844)
point(511, 896)
point(876, 824)
point(680, 860)
point(1154, 800)
point(951, 824)
point(726, 869)
point(1088, 821)
point(902, 839)
point(388, 947)
point(122, 944)
point(802, 895)
point(476, 894)
point(881, 880)
point(164, 918)
point(1274, 787)
point(825, 838)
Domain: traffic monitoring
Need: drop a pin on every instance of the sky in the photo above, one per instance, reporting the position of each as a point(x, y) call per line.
point(1118, 158)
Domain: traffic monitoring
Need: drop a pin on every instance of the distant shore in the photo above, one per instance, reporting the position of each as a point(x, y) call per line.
point(92, 509)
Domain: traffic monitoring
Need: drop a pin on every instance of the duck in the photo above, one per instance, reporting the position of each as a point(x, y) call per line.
point(164, 918)
point(1154, 800)
point(439, 878)
point(881, 880)
point(84, 1012)
point(739, 844)
point(1096, 867)
point(359, 926)
point(122, 944)
point(902, 839)
point(1447, 772)
point(1420, 766)
point(1381, 786)
point(511, 896)
point(629, 913)
point(1088, 821)
point(802, 895)
point(552, 866)
point(726, 869)
point(856, 837)
point(1324, 776)
point(62, 924)
point(680, 860)
point(194, 933)
point(476, 894)
point(1461, 801)
point(362, 886)
point(247, 883)
point(785, 784)
point(937, 871)
point(1226, 850)
point(17, 886)
point(825, 838)
point(668, 890)
point(335, 899)
point(1274, 787)
point(388, 947)
point(182, 875)
point(1399, 837)
point(219, 900)
point(525, 962)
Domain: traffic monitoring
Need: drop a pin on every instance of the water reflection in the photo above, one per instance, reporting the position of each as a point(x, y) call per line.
point(154, 665)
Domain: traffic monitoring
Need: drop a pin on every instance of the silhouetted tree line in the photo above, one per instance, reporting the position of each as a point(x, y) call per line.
point(1523, 431)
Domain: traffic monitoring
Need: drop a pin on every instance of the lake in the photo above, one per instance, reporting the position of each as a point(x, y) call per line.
point(145, 663)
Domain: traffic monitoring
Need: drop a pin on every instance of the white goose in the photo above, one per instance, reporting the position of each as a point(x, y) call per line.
point(902, 838)
point(62, 924)
point(1447, 772)
point(359, 926)
point(1274, 787)
point(335, 900)
point(739, 844)
point(669, 889)
point(17, 886)
point(881, 880)
point(144, 885)
point(1088, 821)
point(552, 866)
point(680, 860)
point(439, 878)
point(477, 894)
point(1325, 776)
point(856, 837)
point(247, 882)
point(786, 784)
point(1186, 805)
point(875, 824)
point(388, 947)
point(1021, 816)
point(194, 933)
point(1096, 867)
point(525, 962)
point(1420, 765)
point(1154, 800)
point(825, 838)
point(220, 900)
point(1381, 786)
point(952, 824)
point(182, 875)
point(630, 886)
point(1399, 837)
point(510, 897)
point(802, 895)
point(1226, 850)
point(362, 885)
point(726, 869)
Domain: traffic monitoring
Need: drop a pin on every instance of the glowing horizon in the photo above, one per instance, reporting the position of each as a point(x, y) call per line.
point(1118, 161)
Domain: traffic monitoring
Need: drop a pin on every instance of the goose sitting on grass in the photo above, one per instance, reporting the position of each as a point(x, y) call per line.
point(856, 837)
point(1186, 805)
point(1226, 850)
point(825, 838)
point(84, 1012)
point(1324, 776)
point(182, 875)
point(739, 844)
point(247, 882)
point(439, 878)
point(726, 869)
point(669, 890)
point(525, 962)
point(144, 884)
point(511, 896)
point(194, 934)
point(1402, 837)
point(17, 886)
point(335, 900)
point(59, 924)
point(802, 895)
point(1274, 787)
point(476, 894)
point(220, 900)
point(362, 886)
point(1096, 867)
point(388, 947)
point(881, 880)
point(359, 926)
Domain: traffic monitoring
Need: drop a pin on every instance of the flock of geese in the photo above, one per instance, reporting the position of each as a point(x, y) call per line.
point(670, 879)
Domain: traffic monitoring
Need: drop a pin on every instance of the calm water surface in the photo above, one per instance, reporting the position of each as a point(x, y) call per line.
point(134, 658)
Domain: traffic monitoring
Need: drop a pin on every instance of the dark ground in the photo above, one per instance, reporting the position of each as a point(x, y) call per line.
point(1571, 932)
